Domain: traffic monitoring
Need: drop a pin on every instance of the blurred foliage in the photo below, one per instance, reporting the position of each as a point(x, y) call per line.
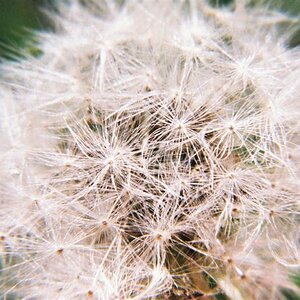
point(290, 6)
point(17, 19)
point(292, 295)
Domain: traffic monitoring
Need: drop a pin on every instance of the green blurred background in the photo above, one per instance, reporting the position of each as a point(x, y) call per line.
point(19, 17)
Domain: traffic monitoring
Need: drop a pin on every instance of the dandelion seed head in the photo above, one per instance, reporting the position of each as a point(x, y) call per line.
point(151, 151)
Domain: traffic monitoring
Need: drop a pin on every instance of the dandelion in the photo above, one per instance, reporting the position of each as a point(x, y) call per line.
point(151, 151)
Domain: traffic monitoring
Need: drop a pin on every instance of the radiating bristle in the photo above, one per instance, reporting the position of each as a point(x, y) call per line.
point(151, 152)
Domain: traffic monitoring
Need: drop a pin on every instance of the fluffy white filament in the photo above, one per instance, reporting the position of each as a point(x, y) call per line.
point(151, 152)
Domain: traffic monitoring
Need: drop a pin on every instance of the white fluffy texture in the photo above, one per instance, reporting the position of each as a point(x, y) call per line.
point(152, 148)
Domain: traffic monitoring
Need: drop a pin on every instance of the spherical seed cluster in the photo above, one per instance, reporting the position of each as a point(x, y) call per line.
point(151, 152)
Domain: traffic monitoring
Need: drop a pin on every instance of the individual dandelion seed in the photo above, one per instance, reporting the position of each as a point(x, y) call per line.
point(151, 152)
